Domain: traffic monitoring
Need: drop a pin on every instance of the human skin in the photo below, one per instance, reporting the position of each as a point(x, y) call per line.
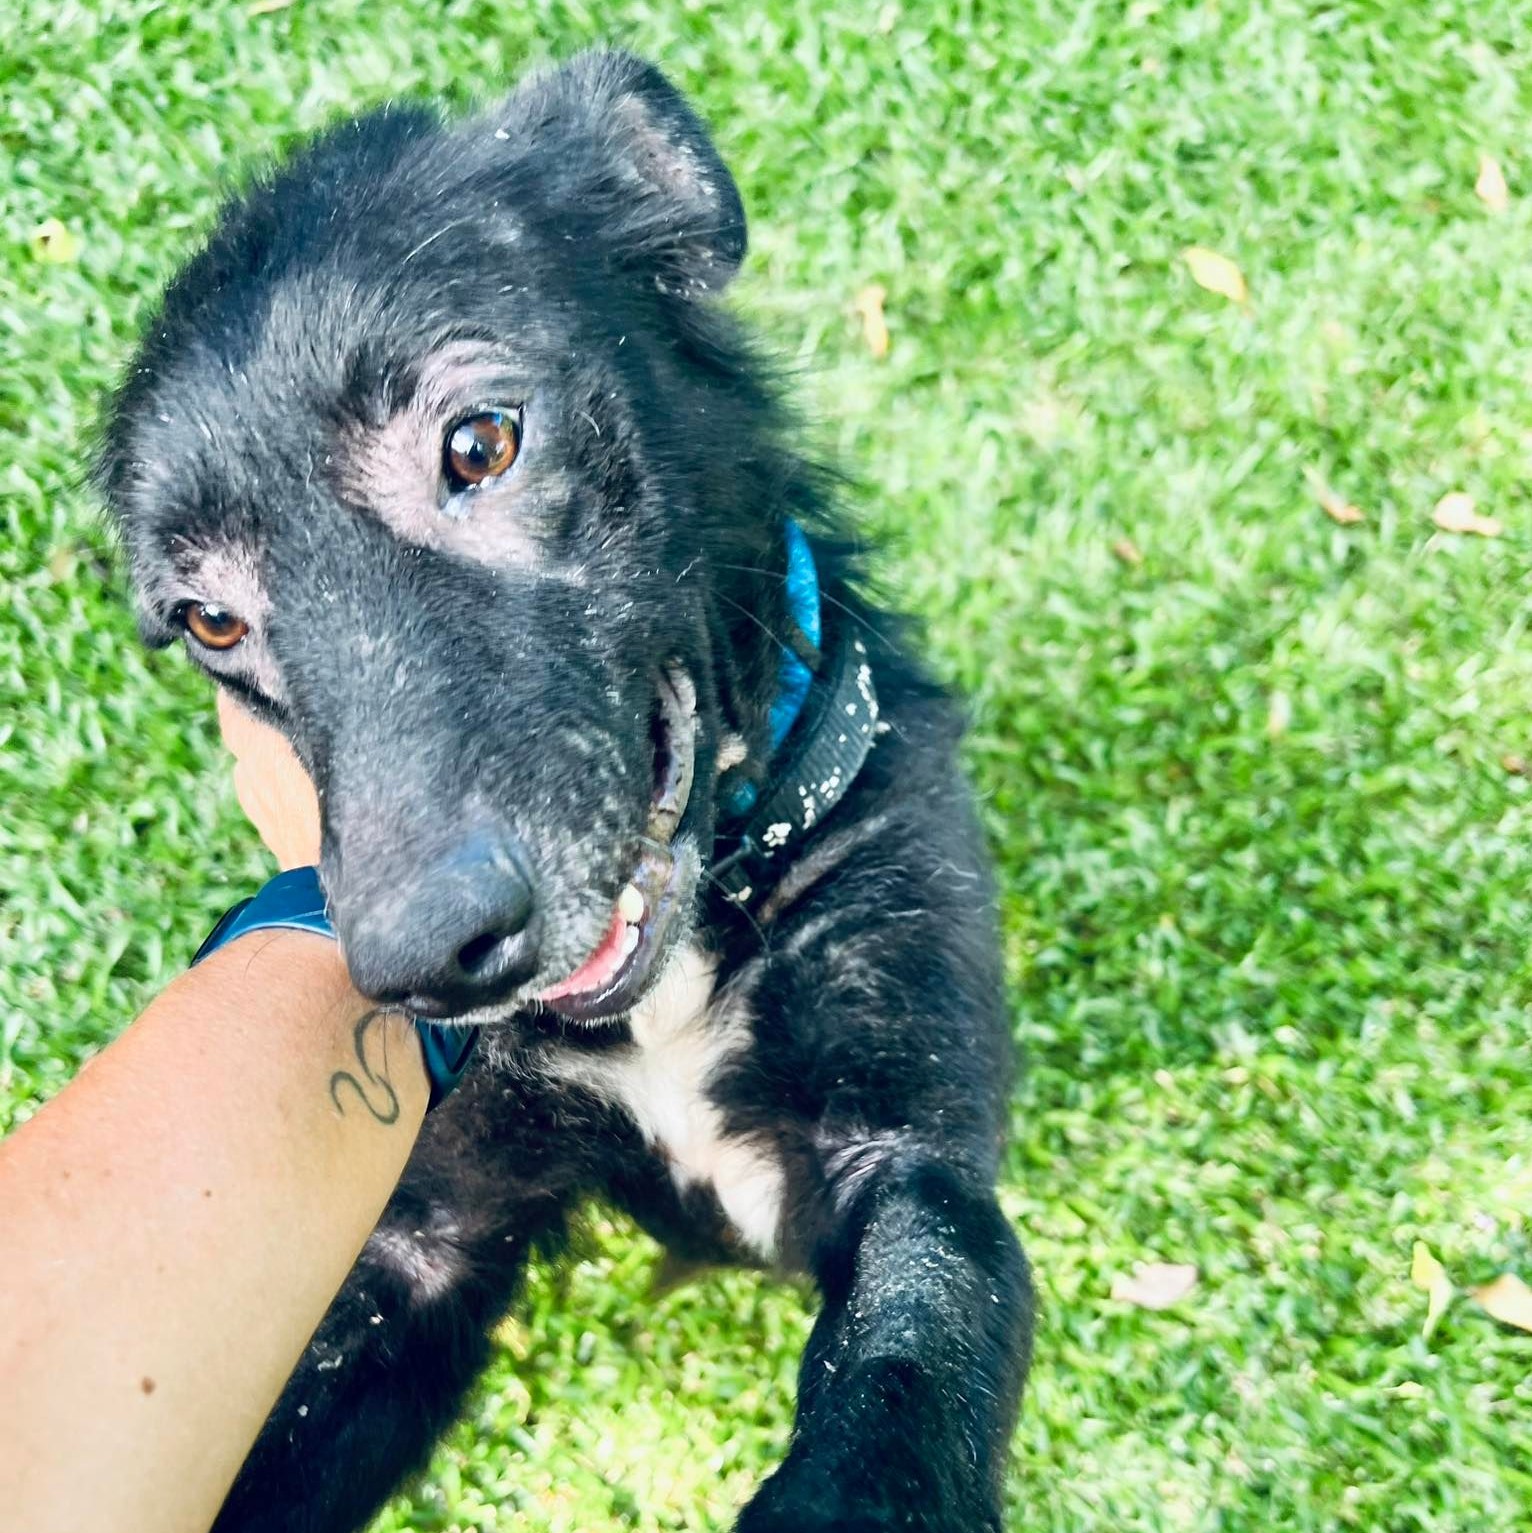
point(178, 1218)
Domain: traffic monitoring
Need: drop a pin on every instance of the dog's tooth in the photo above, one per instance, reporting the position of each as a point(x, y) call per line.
point(629, 941)
point(630, 905)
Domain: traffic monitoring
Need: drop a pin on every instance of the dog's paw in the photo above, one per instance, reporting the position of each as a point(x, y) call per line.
point(803, 1498)
point(778, 1517)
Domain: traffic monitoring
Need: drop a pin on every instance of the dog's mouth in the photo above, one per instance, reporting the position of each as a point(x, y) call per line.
point(613, 978)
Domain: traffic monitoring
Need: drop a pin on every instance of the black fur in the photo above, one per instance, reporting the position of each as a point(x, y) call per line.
point(562, 253)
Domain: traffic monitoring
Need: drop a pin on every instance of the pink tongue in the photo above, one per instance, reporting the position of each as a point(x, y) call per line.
point(599, 970)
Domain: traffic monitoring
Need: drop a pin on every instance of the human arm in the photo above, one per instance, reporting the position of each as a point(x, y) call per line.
point(175, 1222)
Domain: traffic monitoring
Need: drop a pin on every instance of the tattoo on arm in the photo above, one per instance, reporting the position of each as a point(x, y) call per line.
point(377, 1095)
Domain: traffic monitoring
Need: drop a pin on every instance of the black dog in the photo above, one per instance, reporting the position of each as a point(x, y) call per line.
point(443, 456)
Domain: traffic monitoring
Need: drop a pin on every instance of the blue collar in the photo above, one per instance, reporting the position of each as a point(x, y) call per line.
point(794, 678)
point(818, 748)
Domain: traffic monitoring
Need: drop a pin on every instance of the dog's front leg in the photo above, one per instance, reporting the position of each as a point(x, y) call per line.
point(908, 1390)
point(404, 1339)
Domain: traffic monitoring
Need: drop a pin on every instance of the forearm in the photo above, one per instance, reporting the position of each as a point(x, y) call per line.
point(175, 1224)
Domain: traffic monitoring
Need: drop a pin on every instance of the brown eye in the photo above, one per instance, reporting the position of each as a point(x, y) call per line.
point(481, 447)
point(214, 627)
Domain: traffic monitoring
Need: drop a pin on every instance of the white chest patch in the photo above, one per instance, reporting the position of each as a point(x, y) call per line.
point(681, 1038)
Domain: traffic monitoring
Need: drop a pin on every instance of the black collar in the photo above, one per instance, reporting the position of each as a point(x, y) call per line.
point(811, 773)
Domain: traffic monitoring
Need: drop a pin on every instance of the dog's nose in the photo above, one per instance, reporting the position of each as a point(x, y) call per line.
point(452, 933)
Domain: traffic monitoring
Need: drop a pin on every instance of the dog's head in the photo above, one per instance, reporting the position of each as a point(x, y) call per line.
point(441, 457)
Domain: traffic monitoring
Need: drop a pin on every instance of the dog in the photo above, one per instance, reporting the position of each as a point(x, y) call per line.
point(444, 456)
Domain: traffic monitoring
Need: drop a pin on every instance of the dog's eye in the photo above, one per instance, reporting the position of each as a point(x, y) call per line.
point(481, 446)
point(213, 627)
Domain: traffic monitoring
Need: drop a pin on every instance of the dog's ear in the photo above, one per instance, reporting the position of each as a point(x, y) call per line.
point(618, 140)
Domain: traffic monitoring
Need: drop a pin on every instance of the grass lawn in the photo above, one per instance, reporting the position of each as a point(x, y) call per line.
point(1268, 879)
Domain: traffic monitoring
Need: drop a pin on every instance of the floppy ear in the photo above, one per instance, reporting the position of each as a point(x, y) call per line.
point(622, 144)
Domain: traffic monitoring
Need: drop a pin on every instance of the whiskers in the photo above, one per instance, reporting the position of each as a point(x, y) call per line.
point(755, 618)
point(859, 618)
point(744, 910)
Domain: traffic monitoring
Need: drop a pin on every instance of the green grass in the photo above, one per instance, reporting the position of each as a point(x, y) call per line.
point(1273, 986)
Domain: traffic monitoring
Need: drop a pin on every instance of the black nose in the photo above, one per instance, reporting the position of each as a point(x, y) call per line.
point(447, 933)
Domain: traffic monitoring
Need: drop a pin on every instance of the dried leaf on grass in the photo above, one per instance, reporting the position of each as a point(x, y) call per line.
point(1507, 1299)
point(1333, 504)
point(1428, 1275)
point(511, 1335)
point(1156, 1285)
point(869, 304)
point(1217, 273)
point(1458, 512)
point(1490, 188)
point(54, 242)
point(1128, 551)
